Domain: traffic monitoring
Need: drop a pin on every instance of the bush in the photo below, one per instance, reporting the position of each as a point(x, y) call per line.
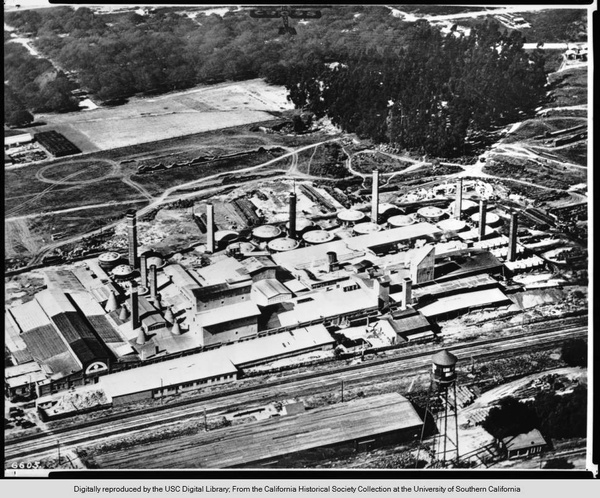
point(510, 418)
point(558, 463)
point(574, 353)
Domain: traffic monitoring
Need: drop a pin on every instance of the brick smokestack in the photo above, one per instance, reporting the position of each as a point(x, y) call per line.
point(482, 213)
point(152, 282)
point(132, 237)
point(406, 293)
point(292, 230)
point(512, 237)
point(458, 205)
point(135, 309)
point(210, 228)
point(332, 258)
point(375, 197)
point(144, 270)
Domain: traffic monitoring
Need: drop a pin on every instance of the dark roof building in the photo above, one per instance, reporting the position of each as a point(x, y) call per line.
point(526, 444)
point(76, 331)
point(358, 424)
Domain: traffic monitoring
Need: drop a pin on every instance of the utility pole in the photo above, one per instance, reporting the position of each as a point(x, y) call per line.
point(58, 448)
point(342, 390)
point(205, 422)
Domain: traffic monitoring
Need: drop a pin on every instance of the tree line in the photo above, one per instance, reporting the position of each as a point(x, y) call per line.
point(372, 73)
point(428, 93)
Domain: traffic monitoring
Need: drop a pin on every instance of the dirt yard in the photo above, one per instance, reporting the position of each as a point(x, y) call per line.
point(175, 114)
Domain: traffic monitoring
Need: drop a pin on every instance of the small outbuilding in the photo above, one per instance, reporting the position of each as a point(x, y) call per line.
point(521, 445)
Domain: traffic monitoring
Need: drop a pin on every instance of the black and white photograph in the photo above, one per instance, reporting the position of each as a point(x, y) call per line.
point(282, 237)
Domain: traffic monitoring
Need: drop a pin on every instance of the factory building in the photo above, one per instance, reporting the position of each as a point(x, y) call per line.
point(422, 264)
point(357, 425)
point(269, 291)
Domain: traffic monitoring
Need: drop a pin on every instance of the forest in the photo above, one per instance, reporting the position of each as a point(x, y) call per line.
point(372, 73)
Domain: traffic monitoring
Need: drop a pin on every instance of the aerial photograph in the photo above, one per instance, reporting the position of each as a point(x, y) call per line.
point(296, 237)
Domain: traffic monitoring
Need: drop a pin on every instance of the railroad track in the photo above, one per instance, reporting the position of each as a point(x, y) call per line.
point(306, 384)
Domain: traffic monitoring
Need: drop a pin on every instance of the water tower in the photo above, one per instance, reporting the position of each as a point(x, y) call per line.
point(442, 409)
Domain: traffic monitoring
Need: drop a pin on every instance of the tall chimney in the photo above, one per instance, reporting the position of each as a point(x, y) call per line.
point(406, 293)
point(512, 237)
point(458, 205)
point(144, 270)
point(210, 228)
point(135, 310)
point(292, 230)
point(332, 258)
point(152, 282)
point(375, 197)
point(132, 237)
point(482, 213)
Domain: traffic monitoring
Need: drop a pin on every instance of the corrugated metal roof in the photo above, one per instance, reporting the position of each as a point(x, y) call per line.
point(80, 337)
point(62, 365)
point(30, 316)
point(276, 437)
point(44, 342)
point(104, 329)
point(13, 340)
point(54, 302)
point(64, 280)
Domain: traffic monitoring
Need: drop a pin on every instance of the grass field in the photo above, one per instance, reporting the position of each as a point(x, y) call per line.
point(171, 115)
point(538, 126)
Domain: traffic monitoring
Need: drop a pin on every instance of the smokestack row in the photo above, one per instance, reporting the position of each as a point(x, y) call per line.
point(482, 213)
point(132, 237)
point(210, 228)
point(292, 231)
point(458, 205)
point(512, 237)
point(375, 197)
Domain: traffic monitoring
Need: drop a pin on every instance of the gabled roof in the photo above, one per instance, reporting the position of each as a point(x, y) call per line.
point(270, 288)
point(525, 440)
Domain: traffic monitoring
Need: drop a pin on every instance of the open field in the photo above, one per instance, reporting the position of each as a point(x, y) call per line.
point(175, 114)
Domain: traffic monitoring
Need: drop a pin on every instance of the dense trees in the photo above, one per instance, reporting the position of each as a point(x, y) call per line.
point(15, 113)
point(574, 353)
point(428, 92)
point(556, 416)
point(35, 83)
point(372, 73)
point(510, 418)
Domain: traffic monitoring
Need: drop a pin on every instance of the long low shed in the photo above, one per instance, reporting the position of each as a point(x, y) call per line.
point(363, 422)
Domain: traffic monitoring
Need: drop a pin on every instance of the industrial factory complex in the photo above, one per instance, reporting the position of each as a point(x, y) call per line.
point(141, 325)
